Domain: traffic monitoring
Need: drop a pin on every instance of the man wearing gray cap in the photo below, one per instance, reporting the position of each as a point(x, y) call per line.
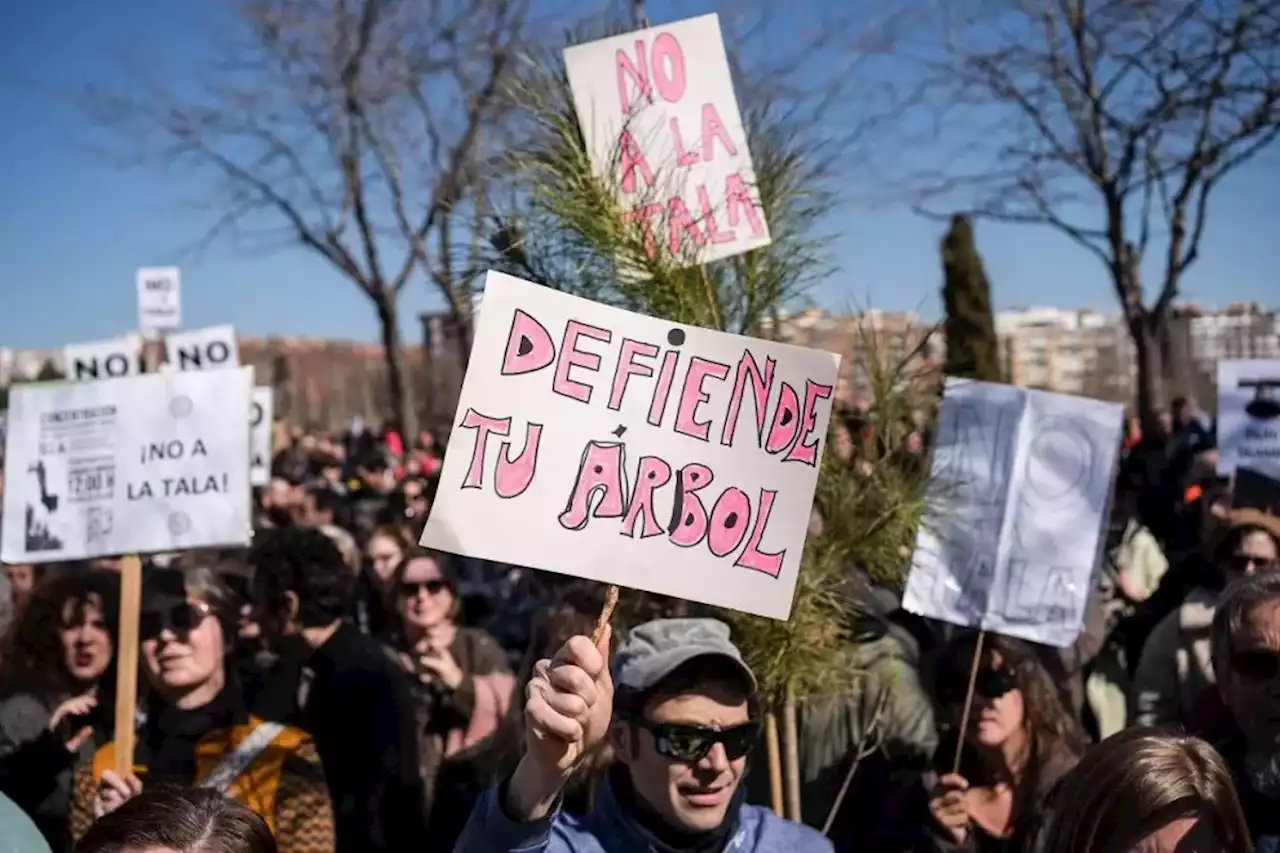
point(679, 709)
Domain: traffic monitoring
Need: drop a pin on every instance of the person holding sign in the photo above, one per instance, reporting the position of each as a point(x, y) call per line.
point(680, 710)
point(1018, 741)
point(197, 730)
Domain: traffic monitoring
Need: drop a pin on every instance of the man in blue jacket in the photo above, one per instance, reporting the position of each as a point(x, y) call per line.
point(680, 712)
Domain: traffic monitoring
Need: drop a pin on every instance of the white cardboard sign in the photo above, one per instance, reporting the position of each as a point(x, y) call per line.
point(114, 359)
point(608, 445)
point(261, 414)
point(1015, 506)
point(660, 120)
point(159, 299)
point(1249, 416)
point(139, 465)
point(212, 348)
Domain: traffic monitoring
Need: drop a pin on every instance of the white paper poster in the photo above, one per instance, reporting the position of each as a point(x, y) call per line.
point(261, 413)
point(599, 443)
point(114, 359)
point(159, 299)
point(139, 465)
point(660, 119)
point(1015, 506)
point(1249, 416)
point(212, 348)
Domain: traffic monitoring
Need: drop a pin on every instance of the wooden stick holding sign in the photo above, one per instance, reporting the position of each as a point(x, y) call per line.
point(606, 614)
point(127, 661)
point(968, 699)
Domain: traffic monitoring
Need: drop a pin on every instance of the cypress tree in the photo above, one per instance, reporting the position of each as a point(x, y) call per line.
point(973, 350)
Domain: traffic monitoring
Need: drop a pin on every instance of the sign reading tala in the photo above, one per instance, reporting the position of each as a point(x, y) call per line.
point(138, 465)
point(261, 413)
point(159, 299)
point(621, 448)
point(1015, 504)
point(660, 120)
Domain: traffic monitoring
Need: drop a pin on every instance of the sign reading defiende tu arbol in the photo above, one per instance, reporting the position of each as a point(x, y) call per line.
point(625, 449)
point(138, 465)
point(659, 118)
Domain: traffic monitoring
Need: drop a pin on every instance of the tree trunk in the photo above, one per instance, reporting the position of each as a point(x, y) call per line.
point(399, 389)
point(462, 318)
point(1151, 364)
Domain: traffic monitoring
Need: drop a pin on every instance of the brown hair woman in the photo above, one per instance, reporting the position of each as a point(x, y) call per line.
point(1147, 791)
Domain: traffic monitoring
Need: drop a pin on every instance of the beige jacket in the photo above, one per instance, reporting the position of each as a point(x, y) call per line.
point(1176, 669)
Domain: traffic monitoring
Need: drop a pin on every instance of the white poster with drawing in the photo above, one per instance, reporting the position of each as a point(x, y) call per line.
point(625, 449)
point(261, 413)
point(159, 299)
point(212, 348)
point(660, 120)
point(113, 359)
point(139, 465)
point(1015, 505)
point(1249, 416)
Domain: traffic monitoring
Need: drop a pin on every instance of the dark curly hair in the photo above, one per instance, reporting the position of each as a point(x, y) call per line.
point(305, 562)
point(1053, 732)
point(32, 653)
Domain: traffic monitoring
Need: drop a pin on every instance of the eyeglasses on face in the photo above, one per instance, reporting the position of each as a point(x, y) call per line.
point(180, 619)
point(409, 589)
point(1256, 665)
point(688, 742)
point(1244, 564)
point(991, 684)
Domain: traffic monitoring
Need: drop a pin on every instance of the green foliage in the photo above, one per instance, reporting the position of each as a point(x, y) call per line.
point(973, 350)
point(564, 229)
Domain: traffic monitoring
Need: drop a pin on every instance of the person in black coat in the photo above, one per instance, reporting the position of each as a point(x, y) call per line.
point(338, 685)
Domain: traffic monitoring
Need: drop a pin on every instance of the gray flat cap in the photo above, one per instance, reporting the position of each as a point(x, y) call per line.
point(652, 651)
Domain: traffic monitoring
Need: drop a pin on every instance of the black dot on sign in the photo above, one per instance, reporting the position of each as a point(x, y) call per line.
point(731, 521)
point(786, 417)
point(653, 475)
point(693, 476)
point(526, 346)
point(675, 337)
point(599, 469)
point(688, 520)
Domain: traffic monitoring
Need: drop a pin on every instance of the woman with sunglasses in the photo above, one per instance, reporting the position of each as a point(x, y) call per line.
point(459, 678)
point(56, 690)
point(196, 730)
point(1020, 741)
point(1174, 680)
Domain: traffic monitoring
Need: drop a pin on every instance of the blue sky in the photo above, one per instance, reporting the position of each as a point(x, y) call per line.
point(74, 226)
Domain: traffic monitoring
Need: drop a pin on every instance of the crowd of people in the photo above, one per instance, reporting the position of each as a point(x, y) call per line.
point(336, 687)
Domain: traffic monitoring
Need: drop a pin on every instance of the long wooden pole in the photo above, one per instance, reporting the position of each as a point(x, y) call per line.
point(968, 700)
point(774, 751)
point(127, 661)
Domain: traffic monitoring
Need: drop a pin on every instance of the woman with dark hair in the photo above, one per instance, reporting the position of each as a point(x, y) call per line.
point(459, 679)
point(375, 586)
point(197, 731)
point(1174, 677)
point(1019, 742)
point(55, 695)
point(1141, 790)
point(189, 820)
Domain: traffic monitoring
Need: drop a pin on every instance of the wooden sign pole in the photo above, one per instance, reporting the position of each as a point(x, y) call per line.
point(127, 661)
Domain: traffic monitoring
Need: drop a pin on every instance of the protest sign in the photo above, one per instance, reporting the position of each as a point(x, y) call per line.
point(261, 412)
point(634, 451)
point(138, 465)
point(213, 348)
point(112, 359)
point(1015, 506)
point(660, 120)
point(159, 299)
point(1249, 416)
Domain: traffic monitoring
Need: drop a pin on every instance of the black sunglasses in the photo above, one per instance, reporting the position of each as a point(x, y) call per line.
point(1256, 664)
point(410, 588)
point(180, 619)
point(991, 683)
point(688, 743)
point(1244, 564)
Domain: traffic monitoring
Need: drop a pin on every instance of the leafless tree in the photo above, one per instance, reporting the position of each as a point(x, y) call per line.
point(362, 129)
point(1111, 121)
